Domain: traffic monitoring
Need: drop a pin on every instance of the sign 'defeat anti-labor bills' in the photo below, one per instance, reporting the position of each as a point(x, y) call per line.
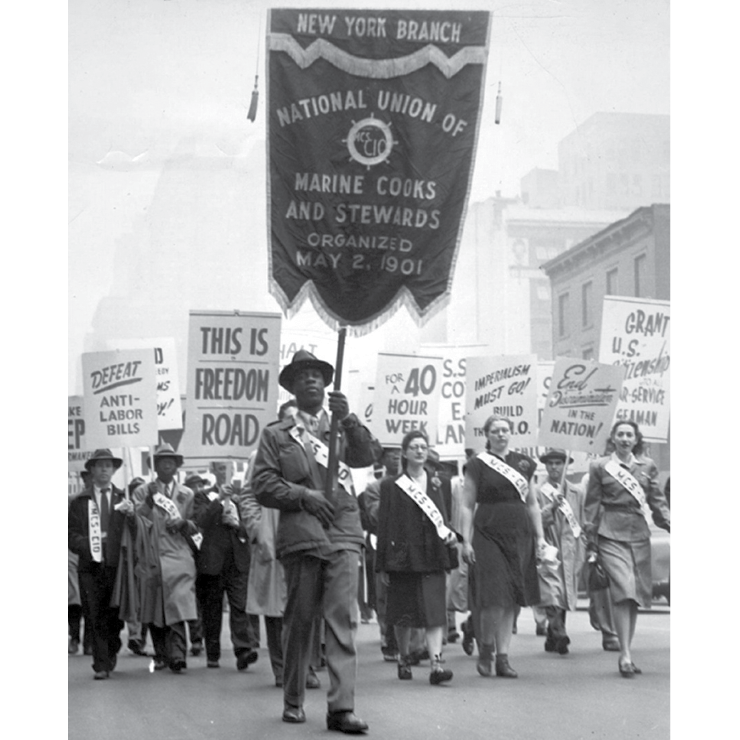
point(406, 397)
point(506, 386)
point(635, 333)
point(372, 120)
point(120, 390)
point(580, 405)
point(232, 388)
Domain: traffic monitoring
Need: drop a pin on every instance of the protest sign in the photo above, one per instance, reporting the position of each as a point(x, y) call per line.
point(232, 388)
point(372, 122)
point(120, 398)
point(77, 449)
point(169, 409)
point(367, 396)
point(406, 396)
point(580, 405)
point(635, 333)
point(506, 386)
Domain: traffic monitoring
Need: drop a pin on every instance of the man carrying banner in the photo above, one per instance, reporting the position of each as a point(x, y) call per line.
point(319, 541)
point(96, 521)
point(561, 506)
point(166, 547)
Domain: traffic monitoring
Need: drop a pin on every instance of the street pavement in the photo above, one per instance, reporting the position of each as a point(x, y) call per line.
point(579, 695)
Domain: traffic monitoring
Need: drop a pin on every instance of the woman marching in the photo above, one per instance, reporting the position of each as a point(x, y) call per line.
point(413, 539)
point(501, 541)
point(621, 487)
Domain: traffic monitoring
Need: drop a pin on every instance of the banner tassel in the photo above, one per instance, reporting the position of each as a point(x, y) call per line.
point(252, 114)
point(499, 101)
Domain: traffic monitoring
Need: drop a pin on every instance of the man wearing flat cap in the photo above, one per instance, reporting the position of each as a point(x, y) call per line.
point(165, 509)
point(96, 521)
point(319, 539)
point(562, 506)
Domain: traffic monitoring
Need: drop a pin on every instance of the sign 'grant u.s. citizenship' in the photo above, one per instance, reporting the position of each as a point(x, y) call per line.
point(372, 120)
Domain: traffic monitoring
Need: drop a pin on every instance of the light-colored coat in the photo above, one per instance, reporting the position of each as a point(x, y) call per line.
point(266, 592)
point(166, 565)
point(571, 551)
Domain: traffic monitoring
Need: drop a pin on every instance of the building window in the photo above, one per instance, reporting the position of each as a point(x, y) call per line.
point(563, 301)
point(640, 276)
point(611, 282)
point(586, 297)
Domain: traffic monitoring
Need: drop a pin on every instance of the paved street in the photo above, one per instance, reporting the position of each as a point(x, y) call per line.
point(579, 695)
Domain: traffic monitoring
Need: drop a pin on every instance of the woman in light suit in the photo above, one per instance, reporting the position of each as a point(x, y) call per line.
point(622, 492)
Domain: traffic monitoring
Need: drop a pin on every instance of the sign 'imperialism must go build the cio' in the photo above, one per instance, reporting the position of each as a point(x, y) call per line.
point(373, 117)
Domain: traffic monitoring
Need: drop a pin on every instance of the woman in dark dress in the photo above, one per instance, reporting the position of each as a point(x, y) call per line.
point(503, 533)
point(413, 535)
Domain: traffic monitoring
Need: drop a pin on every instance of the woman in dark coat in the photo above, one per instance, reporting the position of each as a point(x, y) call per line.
point(622, 493)
point(503, 530)
point(413, 535)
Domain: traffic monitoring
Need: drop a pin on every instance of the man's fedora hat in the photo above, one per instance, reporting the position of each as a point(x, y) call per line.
point(555, 454)
point(165, 450)
point(303, 360)
point(103, 454)
point(193, 479)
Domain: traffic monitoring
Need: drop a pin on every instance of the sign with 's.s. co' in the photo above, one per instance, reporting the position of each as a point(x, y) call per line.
point(232, 389)
point(120, 398)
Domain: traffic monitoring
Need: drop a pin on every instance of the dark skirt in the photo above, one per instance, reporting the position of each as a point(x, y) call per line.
point(505, 556)
point(416, 599)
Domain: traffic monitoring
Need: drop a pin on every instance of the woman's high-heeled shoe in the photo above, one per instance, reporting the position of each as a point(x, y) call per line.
point(503, 668)
point(626, 669)
point(404, 669)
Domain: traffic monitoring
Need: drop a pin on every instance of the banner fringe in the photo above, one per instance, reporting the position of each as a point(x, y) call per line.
point(380, 69)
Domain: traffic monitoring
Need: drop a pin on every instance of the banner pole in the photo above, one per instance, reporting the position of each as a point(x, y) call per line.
point(333, 461)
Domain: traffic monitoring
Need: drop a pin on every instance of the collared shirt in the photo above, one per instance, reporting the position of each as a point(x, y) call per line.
point(311, 422)
point(626, 465)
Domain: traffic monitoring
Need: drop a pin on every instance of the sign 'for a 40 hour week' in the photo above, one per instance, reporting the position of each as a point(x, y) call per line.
point(406, 397)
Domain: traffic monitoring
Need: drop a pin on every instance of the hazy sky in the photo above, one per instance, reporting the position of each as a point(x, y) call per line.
point(145, 78)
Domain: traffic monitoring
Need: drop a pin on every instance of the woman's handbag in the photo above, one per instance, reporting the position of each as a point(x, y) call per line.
point(453, 556)
point(598, 580)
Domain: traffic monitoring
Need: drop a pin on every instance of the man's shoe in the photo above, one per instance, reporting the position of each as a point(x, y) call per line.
point(196, 649)
point(100, 675)
point(503, 668)
point(550, 646)
point(312, 680)
point(346, 722)
point(292, 714)
point(611, 644)
point(212, 663)
point(159, 665)
point(178, 666)
point(453, 636)
point(389, 655)
point(136, 648)
point(245, 659)
point(540, 630)
point(562, 645)
point(73, 647)
point(87, 650)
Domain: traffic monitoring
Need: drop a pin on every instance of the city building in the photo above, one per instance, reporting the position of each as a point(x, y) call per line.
point(630, 257)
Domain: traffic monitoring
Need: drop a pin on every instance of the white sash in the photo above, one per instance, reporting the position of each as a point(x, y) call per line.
point(549, 490)
point(426, 504)
point(95, 535)
point(628, 481)
point(174, 513)
point(321, 455)
point(513, 476)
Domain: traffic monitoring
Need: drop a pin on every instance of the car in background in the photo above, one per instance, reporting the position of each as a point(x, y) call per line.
point(660, 544)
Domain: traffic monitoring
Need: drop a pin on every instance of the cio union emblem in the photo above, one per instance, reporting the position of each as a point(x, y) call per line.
point(370, 141)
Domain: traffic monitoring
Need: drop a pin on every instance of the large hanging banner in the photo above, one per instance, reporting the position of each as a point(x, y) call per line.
point(506, 386)
point(232, 386)
point(406, 397)
point(372, 120)
point(120, 404)
point(169, 408)
point(635, 333)
point(580, 405)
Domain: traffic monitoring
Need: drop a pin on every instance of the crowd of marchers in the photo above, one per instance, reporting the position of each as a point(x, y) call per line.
point(418, 545)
